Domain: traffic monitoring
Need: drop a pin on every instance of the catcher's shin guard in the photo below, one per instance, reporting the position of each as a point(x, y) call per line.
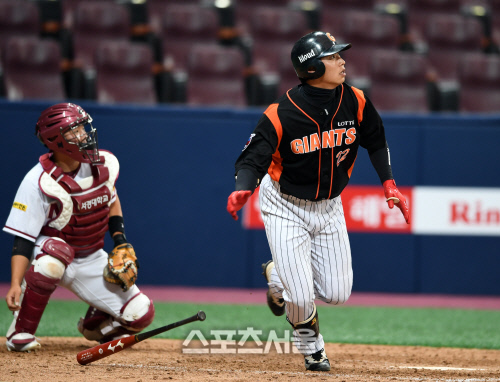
point(20, 342)
point(41, 280)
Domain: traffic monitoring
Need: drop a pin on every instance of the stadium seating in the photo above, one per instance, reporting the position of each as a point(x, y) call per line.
point(273, 28)
point(32, 69)
point(124, 73)
point(18, 18)
point(399, 81)
point(449, 37)
point(244, 9)
point(452, 34)
point(367, 32)
point(333, 13)
point(156, 9)
point(215, 76)
point(183, 25)
point(287, 75)
point(69, 8)
point(95, 22)
point(348, 5)
point(479, 78)
point(435, 6)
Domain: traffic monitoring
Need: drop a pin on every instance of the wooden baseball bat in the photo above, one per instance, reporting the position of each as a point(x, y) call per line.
point(112, 347)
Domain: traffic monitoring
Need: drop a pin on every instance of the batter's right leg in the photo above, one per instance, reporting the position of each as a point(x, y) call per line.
point(306, 333)
point(41, 280)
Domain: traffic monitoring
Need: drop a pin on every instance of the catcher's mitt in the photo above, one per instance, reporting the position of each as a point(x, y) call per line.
point(122, 266)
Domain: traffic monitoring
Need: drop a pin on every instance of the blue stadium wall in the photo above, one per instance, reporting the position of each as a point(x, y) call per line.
point(177, 171)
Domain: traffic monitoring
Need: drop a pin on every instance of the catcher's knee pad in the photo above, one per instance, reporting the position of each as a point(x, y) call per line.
point(55, 256)
point(138, 312)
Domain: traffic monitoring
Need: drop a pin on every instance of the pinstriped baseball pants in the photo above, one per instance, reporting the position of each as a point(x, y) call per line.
point(311, 253)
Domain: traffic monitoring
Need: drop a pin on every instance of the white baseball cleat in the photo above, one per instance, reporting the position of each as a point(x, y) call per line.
point(22, 342)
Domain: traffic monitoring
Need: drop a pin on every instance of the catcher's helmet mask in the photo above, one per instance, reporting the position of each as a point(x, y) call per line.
point(54, 124)
point(307, 53)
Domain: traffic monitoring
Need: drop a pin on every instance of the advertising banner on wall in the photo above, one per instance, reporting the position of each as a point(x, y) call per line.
point(456, 211)
point(434, 211)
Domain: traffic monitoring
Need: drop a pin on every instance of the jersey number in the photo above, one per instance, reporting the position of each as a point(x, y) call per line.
point(341, 156)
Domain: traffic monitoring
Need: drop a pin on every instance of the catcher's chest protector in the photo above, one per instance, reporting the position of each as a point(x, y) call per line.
point(80, 214)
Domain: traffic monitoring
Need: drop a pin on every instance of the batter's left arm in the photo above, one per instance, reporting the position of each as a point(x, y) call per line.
point(378, 151)
point(252, 164)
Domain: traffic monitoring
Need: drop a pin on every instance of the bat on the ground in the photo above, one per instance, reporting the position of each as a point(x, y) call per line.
point(109, 348)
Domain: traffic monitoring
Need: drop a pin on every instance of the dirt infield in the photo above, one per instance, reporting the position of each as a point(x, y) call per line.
point(163, 360)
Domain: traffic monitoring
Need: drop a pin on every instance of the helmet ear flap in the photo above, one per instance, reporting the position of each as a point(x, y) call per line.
point(317, 68)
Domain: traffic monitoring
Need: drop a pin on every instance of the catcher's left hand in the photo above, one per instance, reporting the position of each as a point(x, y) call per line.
point(122, 266)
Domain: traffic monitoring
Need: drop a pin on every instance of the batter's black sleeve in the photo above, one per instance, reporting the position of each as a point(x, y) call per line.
point(381, 163)
point(246, 180)
point(256, 157)
point(373, 139)
point(372, 129)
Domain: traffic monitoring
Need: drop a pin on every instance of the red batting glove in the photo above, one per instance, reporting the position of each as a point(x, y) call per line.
point(236, 201)
point(395, 197)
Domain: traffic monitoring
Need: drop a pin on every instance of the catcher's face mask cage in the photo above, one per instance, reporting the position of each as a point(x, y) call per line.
point(81, 139)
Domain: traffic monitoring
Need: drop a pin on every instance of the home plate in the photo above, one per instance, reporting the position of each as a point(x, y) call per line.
point(437, 368)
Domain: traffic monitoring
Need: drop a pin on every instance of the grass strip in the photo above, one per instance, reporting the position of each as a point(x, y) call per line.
point(357, 325)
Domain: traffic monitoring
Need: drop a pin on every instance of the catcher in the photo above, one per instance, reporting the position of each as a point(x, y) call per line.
point(60, 215)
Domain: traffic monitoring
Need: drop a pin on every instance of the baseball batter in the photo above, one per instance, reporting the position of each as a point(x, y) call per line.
point(60, 215)
point(302, 154)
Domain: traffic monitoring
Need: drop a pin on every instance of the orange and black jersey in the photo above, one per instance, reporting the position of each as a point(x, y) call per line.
point(311, 150)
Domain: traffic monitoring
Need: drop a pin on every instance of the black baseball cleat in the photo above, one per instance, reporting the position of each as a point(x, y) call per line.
point(277, 305)
point(317, 361)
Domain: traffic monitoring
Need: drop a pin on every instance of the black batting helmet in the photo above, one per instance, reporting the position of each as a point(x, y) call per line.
point(308, 51)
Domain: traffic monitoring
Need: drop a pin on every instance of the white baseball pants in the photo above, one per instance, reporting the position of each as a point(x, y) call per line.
point(311, 253)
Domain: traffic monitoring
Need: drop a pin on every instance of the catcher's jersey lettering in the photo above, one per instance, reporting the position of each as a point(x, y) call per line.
point(20, 206)
point(95, 202)
point(329, 139)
